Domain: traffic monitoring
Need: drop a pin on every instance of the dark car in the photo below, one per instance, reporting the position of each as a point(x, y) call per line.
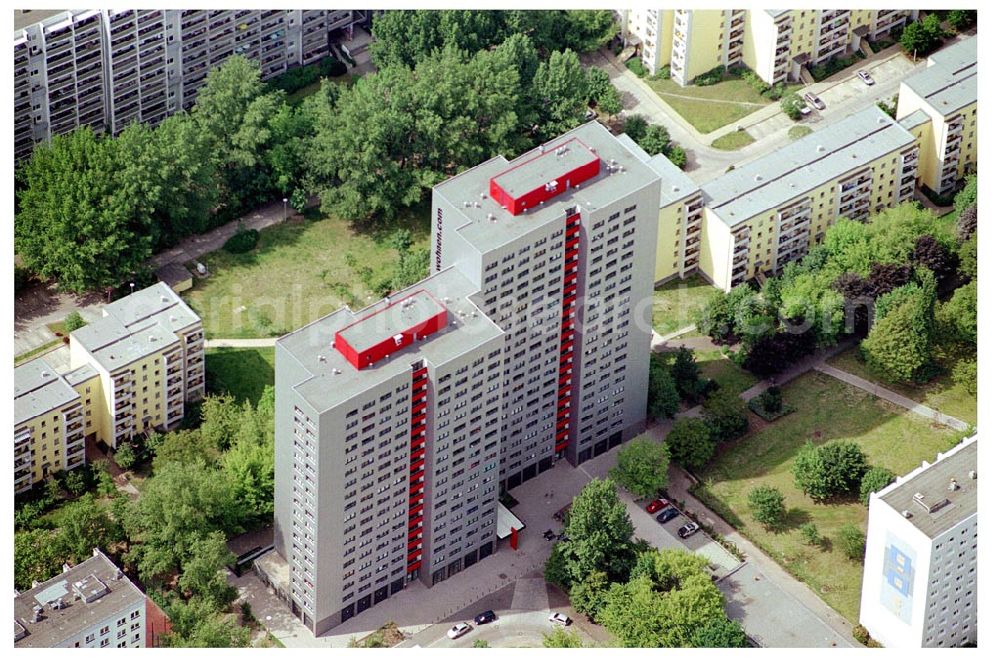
point(486, 617)
point(668, 515)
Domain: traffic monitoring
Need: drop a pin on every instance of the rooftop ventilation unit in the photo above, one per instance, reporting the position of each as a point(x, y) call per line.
point(907, 514)
point(953, 485)
point(758, 178)
point(972, 474)
point(36, 613)
point(398, 339)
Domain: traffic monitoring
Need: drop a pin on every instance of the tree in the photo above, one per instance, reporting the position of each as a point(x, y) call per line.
point(966, 226)
point(184, 446)
point(726, 415)
point(930, 252)
point(37, 557)
point(598, 83)
point(770, 399)
point(959, 19)
point(599, 533)
point(690, 443)
point(587, 595)
point(76, 483)
point(966, 199)
point(678, 157)
point(248, 469)
point(588, 30)
point(635, 126)
point(668, 568)
point(965, 374)
point(204, 574)
point(720, 633)
point(968, 264)
point(642, 467)
point(655, 140)
point(767, 506)
point(874, 480)
point(125, 456)
point(919, 37)
point(556, 571)
point(792, 104)
point(687, 375)
point(73, 321)
point(852, 541)
point(83, 526)
point(662, 400)
point(898, 345)
point(957, 317)
point(834, 469)
point(560, 87)
point(179, 505)
point(884, 278)
point(197, 624)
point(562, 638)
point(220, 421)
point(78, 222)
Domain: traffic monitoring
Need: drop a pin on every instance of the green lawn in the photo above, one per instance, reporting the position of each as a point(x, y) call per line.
point(708, 108)
point(729, 375)
point(243, 373)
point(825, 409)
point(798, 131)
point(298, 273)
point(733, 140)
point(677, 303)
point(941, 393)
point(37, 351)
point(295, 98)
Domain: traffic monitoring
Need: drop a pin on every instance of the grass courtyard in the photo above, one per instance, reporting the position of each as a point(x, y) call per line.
point(826, 409)
point(708, 108)
point(941, 393)
point(733, 140)
point(299, 272)
point(677, 303)
point(243, 373)
point(729, 375)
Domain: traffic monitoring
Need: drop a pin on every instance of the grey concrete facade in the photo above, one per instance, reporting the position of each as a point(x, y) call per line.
point(107, 68)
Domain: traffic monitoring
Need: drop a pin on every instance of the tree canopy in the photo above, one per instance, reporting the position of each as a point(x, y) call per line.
point(599, 534)
point(831, 470)
point(690, 443)
point(642, 467)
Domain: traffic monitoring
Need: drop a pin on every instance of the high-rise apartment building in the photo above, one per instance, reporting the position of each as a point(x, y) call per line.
point(90, 605)
point(397, 426)
point(939, 106)
point(775, 43)
point(133, 370)
point(921, 564)
point(107, 68)
point(768, 212)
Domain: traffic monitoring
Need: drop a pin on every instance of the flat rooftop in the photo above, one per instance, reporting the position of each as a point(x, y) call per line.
point(72, 602)
point(796, 169)
point(914, 120)
point(949, 83)
point(25, 17)
point(38, 389)
point(392, 318)
point(489, 226)
point(540, 168)
point(927, 494)
point(332, 379)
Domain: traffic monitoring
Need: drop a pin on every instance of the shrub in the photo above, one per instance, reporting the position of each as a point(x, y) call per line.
point(73, 321)
point(125, 456)
point(726, 415)
point(852, 541)
point(831, 470)
point(656, 139)
point(754, 81)
point(480, 643)
point(966, 226)
point(635, 126)
point(965, 373)
point(636, 67)
point(960, 19)
point(874, 480)
point(711, 77)
point(767, 505)
point(678, 157)
point(889, 107)
point(967, 197)
point(242, 241)
point(771, 399)
point(811, 535)
point(689, 443)
point(792, 105)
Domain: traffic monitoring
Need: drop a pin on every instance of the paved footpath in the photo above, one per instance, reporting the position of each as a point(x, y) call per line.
point(893, 397)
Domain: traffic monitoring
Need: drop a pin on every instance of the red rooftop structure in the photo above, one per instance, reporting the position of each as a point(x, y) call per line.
point(547, 175)
point(391, 328)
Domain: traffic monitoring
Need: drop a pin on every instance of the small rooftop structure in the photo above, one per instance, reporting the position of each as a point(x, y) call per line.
point(937, 496)
point(548, 174)
point(81, 597)
point(396, 325)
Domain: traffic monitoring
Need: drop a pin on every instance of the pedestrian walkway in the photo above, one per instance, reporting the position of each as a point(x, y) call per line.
point(241, 342)
point(893, 397)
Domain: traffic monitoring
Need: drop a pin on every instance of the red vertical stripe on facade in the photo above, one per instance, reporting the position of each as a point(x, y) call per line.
point(568, 334)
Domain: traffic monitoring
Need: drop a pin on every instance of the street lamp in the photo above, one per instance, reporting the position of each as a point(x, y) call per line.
point(284, 209)
point(131, 287)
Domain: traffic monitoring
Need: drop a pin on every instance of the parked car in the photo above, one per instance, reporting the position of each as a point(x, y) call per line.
point(560, 618)
point(687, 529)
point(486, 617)
point(591, 114)
point(460, 629)
point(668, 515)
point(804, 110)
point(866, 77)
point(656, 505)
point(814, 101)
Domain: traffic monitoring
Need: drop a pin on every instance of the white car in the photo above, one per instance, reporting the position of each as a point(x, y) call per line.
point(866, 77)
point(460, 629)
point(560, 618)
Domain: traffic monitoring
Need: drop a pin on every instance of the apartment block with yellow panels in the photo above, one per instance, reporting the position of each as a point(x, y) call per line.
point(704, 39)
point(148, 350)
point(680, 218)
point(48, 424)
point(649, 31)
point(938, 105)
point(768, 212)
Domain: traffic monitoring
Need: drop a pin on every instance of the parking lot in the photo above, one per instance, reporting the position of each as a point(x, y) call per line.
point(722, 562)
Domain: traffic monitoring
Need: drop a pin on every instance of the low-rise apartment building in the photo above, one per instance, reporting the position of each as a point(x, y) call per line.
point(921, 564)
point(939, 106)
point(397, 427)
point(90, 605)
point(775, 43)
point(768, 212)
point(107, 68)
point(132, 371)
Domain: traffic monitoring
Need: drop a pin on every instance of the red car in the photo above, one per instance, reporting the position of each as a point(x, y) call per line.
point(656, 505)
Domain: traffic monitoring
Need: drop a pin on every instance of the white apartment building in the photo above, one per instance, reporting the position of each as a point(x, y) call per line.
point(397, 426)
point(90, 605)
point(919, 586)
point(107, 68)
